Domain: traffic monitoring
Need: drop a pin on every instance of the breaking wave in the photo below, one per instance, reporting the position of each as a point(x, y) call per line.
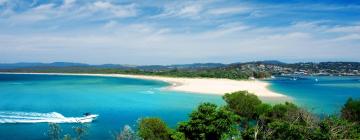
point(34, 117)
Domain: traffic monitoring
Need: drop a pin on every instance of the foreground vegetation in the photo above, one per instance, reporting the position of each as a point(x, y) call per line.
point(243, 117)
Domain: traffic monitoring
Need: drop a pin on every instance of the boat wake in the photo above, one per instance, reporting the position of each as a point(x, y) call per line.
point(148, 92)
point(34, 117)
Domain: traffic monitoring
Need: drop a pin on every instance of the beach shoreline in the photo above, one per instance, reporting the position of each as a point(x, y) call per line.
point(214, 86)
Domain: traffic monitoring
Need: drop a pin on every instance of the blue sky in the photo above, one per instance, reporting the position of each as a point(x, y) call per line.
point(173, 32)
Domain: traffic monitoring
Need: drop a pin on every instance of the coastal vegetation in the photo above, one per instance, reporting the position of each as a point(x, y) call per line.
point(205, 73)
point(153, 128)
point(351, 110)
point(243, 117)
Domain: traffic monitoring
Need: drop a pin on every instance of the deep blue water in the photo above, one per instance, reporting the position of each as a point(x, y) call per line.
point(323, 95)
point(118, 101)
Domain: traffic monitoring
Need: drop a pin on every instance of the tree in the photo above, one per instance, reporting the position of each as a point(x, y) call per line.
point(281, 129)
point(177, 136)
point(263, 109)
point(126, 134)
point(336, 128)
point(287, 130)
point(153, 129)
point(283, 111)
point(242, 103)
point(351, 110)
point(209, 122)
point(54, 131)
point(283, 121)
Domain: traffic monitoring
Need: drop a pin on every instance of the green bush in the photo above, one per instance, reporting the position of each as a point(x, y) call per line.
point(153, 129)
point(351, 110)
point(283, 111)
point(209, 122)
point(242, 103)
point(337, 128)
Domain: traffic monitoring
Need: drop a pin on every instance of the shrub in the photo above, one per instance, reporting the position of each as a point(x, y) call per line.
point(351, 110)
point(208, 122)
point(153, 129)
point(242, 103)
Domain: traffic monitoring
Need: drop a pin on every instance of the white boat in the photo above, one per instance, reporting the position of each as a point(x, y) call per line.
point(86, 118)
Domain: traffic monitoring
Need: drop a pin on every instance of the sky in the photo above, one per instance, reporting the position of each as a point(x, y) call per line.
point(146, 32)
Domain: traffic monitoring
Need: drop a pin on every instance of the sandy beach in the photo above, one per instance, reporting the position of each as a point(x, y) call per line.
point(199, 85)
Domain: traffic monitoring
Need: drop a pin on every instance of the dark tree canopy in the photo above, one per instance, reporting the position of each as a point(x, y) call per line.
point(242, 103)
point(208, 122)
point(337, 128)
point(283, 111)
point(351, 110)
point(153, 129)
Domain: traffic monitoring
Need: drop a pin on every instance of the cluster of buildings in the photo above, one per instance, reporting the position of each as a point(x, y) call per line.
point(303, 69)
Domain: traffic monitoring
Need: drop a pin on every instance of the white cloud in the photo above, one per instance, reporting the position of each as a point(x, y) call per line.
point(43, 8)
point(135, 44)
point(348, 37)
point(223, 30)
point(100, 31)
point(102, 5)
point(228, 10)
point(115, 10)
point(68, 4)
point(70, 10)
point(346, 29)
point(191, 9)
point(39, 13)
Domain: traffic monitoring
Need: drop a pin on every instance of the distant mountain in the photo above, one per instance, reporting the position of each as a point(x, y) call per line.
point(272, 62)
point(113, 66)
point(33, 65)
point(110, 66)
point(265, 62)
point(258, 69)
point(66, 64)
point(181, 66)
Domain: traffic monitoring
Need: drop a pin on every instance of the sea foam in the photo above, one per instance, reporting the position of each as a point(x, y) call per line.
point(34, 117)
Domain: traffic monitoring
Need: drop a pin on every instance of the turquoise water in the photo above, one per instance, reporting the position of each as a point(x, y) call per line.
point(122, 101)
point(118, 101)
point(321, 94)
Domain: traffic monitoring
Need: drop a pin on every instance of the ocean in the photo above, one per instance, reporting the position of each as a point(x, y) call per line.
point(323, 95)
point(117, 101)
point(24, 98)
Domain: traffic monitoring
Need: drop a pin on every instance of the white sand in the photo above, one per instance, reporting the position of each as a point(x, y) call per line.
point(201, 85)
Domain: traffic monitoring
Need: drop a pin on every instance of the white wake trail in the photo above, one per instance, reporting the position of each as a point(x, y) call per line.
point(34, 117)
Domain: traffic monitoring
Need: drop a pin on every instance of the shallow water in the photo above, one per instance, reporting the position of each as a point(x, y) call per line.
point(118, 101)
